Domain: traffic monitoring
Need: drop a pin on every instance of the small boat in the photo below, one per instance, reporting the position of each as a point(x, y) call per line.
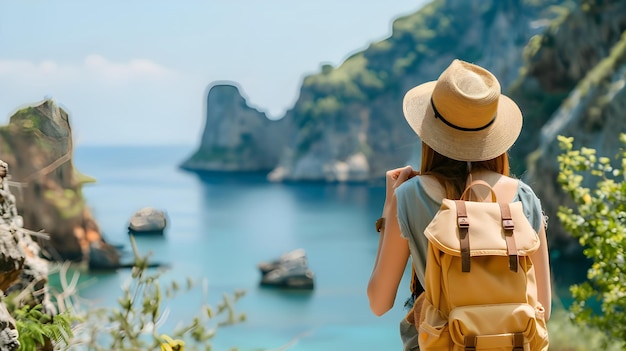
point(148, 220)
point(290, 271)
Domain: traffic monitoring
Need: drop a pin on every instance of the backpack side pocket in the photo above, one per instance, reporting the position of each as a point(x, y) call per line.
point(494, 327)
point(434, 333)
point(541, 340)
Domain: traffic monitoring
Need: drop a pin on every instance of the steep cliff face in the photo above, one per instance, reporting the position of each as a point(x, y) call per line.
point(349, 119)
point(561, 61)
point(337, 145)
point(347, 123)
point(37, 146)
point(558, 59)
point(592, 73)
point(237, 137)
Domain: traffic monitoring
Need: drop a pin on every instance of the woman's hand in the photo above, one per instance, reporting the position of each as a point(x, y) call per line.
point(394, 178)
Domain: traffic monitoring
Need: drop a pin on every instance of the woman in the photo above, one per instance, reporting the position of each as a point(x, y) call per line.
point(466, 127)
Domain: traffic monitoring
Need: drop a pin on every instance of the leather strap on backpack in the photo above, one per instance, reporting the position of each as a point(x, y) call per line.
point(518, 342)
point(470, 343)
point(463, 223)
point(508, 225)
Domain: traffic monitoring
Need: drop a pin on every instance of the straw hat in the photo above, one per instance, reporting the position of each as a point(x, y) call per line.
point(462, 115)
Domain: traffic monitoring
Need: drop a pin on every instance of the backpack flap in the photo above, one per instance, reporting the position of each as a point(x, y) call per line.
point(485, 227)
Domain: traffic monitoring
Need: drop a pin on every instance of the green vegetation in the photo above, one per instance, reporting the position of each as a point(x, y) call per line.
point(135, 323)
point(36, 328)
point(387, 67)
point(568, 336)
point(607, 65)
point(82, 179)
point(341, 81)
point(66, 201)
point(598, 220)
point(27, 118)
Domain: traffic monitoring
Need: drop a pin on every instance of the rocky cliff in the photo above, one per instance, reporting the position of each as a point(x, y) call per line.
point(37, 146)
point(562, 61)
point(347, 123)
point(236, 136)
point(350, 119)
point(577, 76)
point(23, 272)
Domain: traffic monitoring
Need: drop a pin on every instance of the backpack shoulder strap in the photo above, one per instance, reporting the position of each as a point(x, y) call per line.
point(504, 187)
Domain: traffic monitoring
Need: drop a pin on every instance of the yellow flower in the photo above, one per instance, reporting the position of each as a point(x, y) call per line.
point(169, 344)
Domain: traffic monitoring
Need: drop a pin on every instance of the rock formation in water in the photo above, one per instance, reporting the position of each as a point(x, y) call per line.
point(347, 123)
point(37, 146)
point(236, 136)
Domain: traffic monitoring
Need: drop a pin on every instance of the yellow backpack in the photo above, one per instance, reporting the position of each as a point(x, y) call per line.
point(480, 288)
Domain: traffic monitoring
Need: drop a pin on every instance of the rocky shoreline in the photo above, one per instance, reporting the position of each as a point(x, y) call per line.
point(22, 269)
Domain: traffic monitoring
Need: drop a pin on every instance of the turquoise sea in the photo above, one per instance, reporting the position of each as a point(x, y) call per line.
point(222, 225)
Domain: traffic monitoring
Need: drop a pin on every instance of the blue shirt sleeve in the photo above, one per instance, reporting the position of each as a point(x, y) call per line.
point(531, 204)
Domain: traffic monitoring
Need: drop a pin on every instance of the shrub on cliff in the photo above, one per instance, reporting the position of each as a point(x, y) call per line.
point(598, 220)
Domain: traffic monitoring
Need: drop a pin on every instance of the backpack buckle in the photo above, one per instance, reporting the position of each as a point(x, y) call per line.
point(470, 343)
point(508, 224)
point(518, 342)
point(463, 222)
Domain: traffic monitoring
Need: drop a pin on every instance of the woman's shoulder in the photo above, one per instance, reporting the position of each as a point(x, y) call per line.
point(422, 185)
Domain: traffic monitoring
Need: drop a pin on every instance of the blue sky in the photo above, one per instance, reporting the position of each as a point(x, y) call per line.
point(137, 72)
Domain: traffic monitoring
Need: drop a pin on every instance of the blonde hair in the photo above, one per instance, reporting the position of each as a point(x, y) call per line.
point(452, 174)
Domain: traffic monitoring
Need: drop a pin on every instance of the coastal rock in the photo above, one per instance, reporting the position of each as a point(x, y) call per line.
point(12, 255)
point(8, 331)
point(355, 109)
point(37, 145)
point(347, 124)
point(103, 256)
point(23, 273)
point(591, 71)
point(557, 60)
point(148, 220)
point(290, 271)
point(236, 136)
point(594, 117)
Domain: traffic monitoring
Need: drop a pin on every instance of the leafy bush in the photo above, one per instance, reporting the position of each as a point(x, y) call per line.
point(598, 220)
point(135, 324)
point(36, 328)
